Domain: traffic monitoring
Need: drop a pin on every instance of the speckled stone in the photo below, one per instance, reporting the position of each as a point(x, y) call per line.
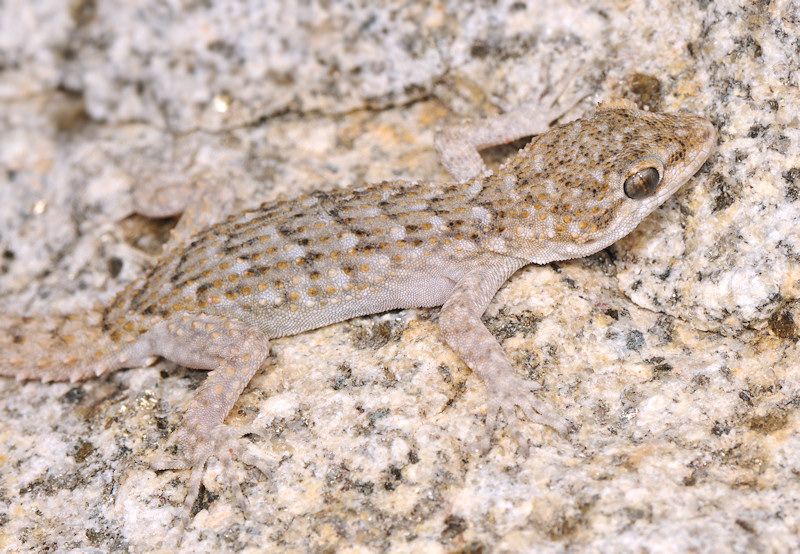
point(675, 351)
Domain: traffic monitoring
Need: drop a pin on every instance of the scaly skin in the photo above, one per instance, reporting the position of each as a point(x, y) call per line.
point(290, 266)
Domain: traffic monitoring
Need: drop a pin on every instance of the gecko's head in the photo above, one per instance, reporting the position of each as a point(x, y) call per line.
point(592, 181)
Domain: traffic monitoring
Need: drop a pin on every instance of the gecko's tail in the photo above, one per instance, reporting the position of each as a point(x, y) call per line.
point(66, 347)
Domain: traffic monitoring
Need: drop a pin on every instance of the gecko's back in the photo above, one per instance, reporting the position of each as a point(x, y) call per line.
point(294, 265)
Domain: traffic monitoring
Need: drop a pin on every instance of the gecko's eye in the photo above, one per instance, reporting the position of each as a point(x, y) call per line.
point(642, 183)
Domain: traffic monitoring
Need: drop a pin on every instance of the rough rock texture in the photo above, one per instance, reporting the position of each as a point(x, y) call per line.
point(675, 351)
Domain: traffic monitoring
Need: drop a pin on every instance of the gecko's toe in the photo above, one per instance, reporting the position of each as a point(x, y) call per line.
point(514, 394)
point(223, 443)
point(195, 479)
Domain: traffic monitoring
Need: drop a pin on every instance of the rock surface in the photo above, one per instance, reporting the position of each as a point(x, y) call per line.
point(675, 351)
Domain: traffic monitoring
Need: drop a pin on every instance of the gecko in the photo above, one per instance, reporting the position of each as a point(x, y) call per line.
point(289, 266)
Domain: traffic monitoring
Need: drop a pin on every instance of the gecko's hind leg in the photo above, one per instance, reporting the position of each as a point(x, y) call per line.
point(234, 351)
point(200, 201)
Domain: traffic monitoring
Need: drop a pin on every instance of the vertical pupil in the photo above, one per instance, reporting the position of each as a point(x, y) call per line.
point(642, 183)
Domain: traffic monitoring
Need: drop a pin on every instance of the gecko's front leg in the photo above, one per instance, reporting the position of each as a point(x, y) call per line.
point(458, 145)
point(461, 326)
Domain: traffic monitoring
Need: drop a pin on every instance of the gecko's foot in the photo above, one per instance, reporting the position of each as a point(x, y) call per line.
point(222, 442)
point(509, 393)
